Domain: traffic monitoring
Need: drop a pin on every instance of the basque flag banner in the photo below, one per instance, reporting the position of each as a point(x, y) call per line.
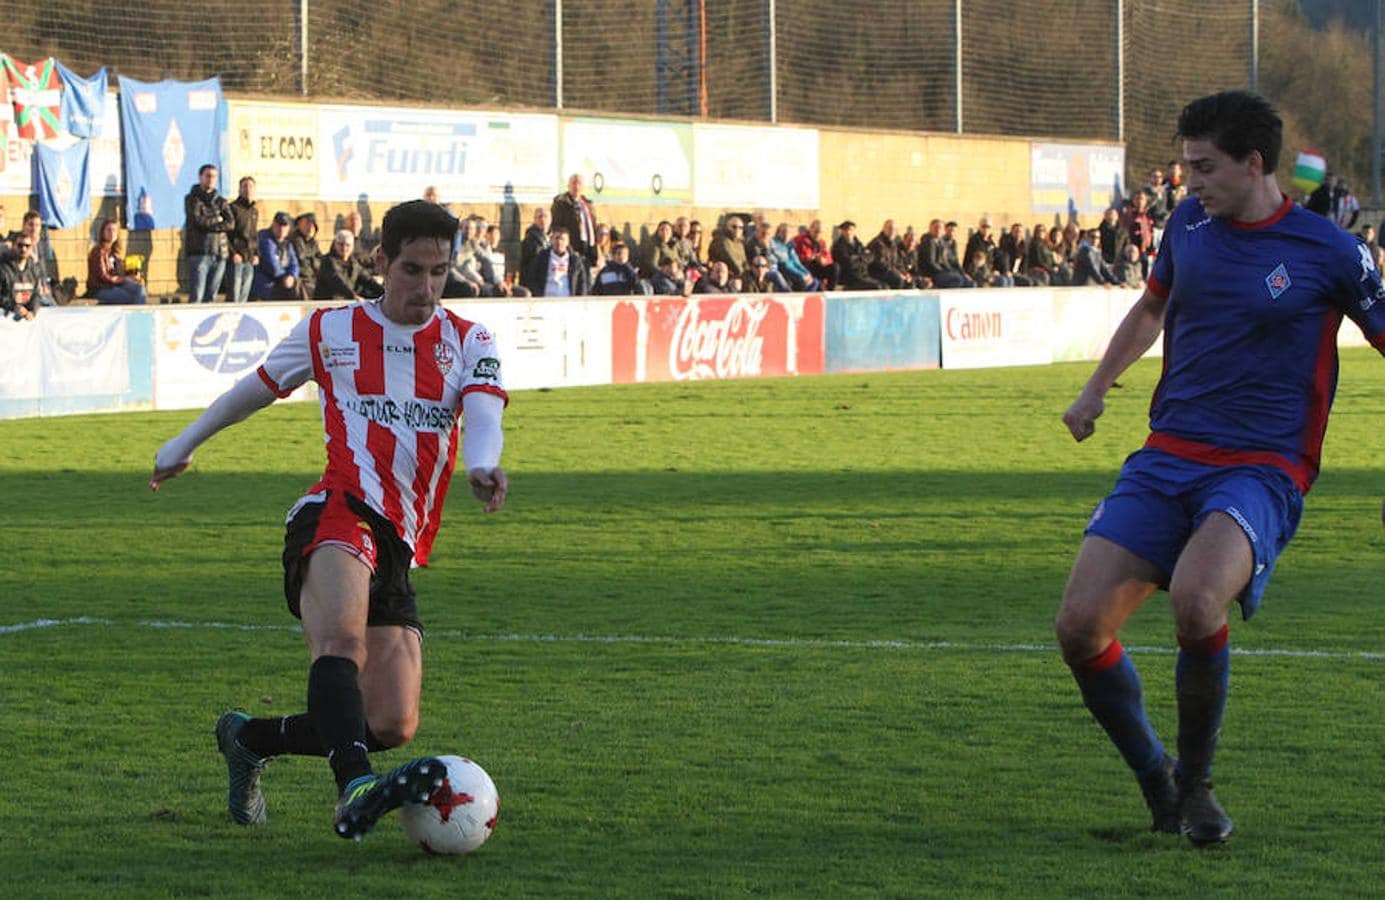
point(83, 102)
point(169, 130)
point(36, 91)
point(62, 180)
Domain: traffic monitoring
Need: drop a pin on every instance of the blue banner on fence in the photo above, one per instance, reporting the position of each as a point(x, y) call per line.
point(83, 106)
point(169, 130)
point(63, 183)
point(872, 333)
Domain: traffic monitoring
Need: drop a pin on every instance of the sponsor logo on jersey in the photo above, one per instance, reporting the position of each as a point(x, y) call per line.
point(442, 356)
point(1241, 520)
point(1278, 281)
point(229, 342)
point(1196, 225)
point(1367, 264)
point(411, 413)
point(487, 367)
point(347, 356)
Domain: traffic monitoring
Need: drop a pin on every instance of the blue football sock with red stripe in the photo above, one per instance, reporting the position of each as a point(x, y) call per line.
point(1112, 691)
point(1203, 674)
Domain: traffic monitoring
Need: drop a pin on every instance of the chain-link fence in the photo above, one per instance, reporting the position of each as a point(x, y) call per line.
point(1084, 69)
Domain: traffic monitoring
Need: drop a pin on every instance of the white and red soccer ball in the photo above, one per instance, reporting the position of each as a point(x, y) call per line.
point(460, 814)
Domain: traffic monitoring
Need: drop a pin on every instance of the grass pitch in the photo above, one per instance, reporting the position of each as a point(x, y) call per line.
point(786, 638)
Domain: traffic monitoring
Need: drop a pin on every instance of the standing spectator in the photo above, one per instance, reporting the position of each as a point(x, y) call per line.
point(853, 262)
point(244, 239)
point(669, 280)
point(1139, 225)
point(574, 212)
point(618, 276)
point(814, 253)
point(1114, 236)
point(1175, 189)
point(106, 278)
point(790, 266)
point(276, 270)
point(718, 280)
point(660, 247)
point(1320, 201)
point(1156, 202)
point(729, 247)
point(19, 279)
point(1087, 265)
point(561, 272)
point(304, 239)
point(205, 241)
point(340, 275)
point(535, 241)
point(1345, 207)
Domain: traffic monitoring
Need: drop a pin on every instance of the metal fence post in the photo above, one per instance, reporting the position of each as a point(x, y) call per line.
point(957, 58)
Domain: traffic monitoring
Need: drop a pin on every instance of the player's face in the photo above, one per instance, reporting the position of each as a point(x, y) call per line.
point(1223, 184)
point(414, 280)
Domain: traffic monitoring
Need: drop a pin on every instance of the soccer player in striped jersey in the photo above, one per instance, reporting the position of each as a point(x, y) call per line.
point(394, 376)
point(1249, 291)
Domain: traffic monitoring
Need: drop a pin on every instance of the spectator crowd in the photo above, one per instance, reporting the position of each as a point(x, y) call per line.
point(568, 251)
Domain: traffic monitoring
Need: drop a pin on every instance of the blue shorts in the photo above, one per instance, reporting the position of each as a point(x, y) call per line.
point(1160, 500)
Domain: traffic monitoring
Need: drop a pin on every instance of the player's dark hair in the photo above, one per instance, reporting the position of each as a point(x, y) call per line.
point(1236, 122)
point(413, 220)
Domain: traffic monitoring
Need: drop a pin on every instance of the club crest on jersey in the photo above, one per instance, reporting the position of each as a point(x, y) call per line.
point(442, 355)
point(1278, 281)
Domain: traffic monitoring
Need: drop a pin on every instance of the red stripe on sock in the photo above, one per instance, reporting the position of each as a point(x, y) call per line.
point(1208, 646)
point(1106, 659)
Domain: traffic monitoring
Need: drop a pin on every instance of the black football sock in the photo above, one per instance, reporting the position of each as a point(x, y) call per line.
point(337, 711)
point(293, 735)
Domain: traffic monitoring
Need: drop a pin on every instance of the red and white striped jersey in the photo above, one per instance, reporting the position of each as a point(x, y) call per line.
point(391, 397)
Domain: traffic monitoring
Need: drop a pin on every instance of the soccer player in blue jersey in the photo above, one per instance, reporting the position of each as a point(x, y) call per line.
point(1249, 290)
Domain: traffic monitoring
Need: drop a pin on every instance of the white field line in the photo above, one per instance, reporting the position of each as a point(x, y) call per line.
point(791, 643)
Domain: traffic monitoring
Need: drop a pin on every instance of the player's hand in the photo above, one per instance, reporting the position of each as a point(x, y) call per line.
point(489, 487)
point(1082, 415)
point(162, 475)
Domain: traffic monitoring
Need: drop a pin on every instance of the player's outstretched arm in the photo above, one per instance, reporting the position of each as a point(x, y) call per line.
point(1135, 334)
point(482, 442)
point(245, 397)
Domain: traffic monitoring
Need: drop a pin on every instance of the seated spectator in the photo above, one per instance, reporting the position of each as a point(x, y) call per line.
point(276, 272)
point(852, 261)
point(1039, 261)
point(106, 278)
point(601, 247)
point(815, 254)
point(756, 278)
point(618, 276)
point(340, 275)
point(1010, 253)
point(790, 267)
point(660, 247)
point(464, 278)
point(983, 239)
point(43, 260)
point(561, 272)
point(980, 272)
point(1128, 269)
point(718, 280)
point(4, 234)
point(1368, 238)
point(909, 258)
point(19, 279)
point(304, 240)
point(1088, 267)
point(886, 265)
point(669, 280)
point(1063, 250)
point(757, 243)
point(493, 267)
point(1175, 190)
point(694, 263)
point(937, 257)
point(729, 247)
point(1114, 237)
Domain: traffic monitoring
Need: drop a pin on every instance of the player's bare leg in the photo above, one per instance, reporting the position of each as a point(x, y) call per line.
point(1215, 566)
point(391, 683)
point(1108, 583)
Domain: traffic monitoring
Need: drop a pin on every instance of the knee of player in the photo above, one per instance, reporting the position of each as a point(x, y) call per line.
point(1198, 609)
point(394, 730)
point(1079, 636)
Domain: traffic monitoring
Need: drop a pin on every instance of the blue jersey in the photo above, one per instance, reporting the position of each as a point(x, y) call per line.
point(1250, 334)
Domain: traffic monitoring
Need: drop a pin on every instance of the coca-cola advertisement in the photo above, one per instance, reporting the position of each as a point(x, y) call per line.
point(738, 336)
